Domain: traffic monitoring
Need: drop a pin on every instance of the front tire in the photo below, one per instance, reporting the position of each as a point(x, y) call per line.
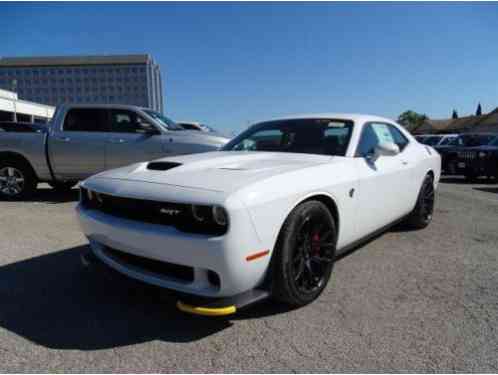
point(421, 216)
point(304, 254)
point(17, 180)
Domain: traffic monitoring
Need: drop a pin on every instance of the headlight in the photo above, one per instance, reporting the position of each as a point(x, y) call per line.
point(201, 213)
point(482, 154)
point(220, 216)
point(209, 218)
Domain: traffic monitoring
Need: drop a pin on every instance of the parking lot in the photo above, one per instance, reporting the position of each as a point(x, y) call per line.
point(406, 301)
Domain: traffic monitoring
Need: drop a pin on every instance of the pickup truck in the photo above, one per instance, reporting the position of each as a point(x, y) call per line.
point(82, 140)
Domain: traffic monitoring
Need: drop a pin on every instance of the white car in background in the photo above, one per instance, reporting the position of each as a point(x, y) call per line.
point(196, 126)
point(266, 215)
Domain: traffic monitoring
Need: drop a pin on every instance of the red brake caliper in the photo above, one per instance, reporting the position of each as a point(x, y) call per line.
point(315, 244)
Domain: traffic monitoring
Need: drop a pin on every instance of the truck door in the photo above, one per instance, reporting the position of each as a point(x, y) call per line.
point(132, 139)
point(385, 190)
point(77, 147)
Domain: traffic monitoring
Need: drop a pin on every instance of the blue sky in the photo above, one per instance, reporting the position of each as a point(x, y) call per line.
point(228, 64)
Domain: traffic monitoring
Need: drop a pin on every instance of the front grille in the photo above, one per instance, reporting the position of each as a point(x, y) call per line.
point(469, 155)
point(177, 215)
point(160, 268)
point(145, 211)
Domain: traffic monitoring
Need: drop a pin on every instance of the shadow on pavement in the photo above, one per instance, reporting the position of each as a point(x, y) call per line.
point(49, 195)
point(464, 181)
point(55, 302)
point(487, 190)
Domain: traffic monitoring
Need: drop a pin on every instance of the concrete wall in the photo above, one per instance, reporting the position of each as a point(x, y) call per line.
point(10, 104)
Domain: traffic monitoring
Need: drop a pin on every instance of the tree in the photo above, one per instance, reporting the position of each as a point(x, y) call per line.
point(454, 114)
point(411, 119)
point(479, 110)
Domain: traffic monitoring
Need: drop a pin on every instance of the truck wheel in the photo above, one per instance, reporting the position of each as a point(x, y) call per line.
point(421, 216)
point(63, 186)
point(17, 180)
point(304, 255)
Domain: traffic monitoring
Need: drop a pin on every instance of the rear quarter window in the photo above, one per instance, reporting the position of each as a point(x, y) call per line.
point(86, 120)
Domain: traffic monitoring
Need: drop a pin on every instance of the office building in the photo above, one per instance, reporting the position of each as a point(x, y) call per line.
point(107, 79)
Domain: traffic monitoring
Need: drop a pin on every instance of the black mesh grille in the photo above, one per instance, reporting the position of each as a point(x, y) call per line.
point(177, 215)
point(169, 270)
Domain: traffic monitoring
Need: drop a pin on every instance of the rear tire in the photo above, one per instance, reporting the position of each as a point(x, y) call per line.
point(17, 180)
point(304, 254)
point(421, 216)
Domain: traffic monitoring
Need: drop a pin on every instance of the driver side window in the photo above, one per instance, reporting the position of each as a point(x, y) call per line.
point(124, 121)
point(368, 141)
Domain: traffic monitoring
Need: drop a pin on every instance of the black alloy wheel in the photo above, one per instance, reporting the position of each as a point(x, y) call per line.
point(304, 256)
point(421, 216)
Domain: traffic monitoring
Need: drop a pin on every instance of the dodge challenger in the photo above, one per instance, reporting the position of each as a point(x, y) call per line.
point(266, 216)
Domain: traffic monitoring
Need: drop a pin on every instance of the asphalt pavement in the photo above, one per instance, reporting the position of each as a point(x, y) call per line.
point(408, 301)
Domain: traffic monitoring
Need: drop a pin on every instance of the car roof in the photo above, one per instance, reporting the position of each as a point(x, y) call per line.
point(355, 117)
point(105, 106)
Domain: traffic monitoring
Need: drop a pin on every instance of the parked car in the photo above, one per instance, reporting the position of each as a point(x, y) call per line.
point(266, 215)
point(435, 140)
point(452, 151)
point(479, 160)
point(86, 139)
point(196, 126)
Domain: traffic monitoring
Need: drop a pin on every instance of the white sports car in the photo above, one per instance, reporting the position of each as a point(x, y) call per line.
point(266, 215)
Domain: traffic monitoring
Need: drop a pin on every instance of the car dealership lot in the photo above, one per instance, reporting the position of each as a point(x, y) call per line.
point(407, 301)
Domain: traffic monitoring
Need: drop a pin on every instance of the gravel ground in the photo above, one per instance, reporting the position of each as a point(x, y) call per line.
point(408, 301)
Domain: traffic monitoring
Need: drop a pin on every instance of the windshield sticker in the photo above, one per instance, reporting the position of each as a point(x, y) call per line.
point(336, 124)
point(383, 134)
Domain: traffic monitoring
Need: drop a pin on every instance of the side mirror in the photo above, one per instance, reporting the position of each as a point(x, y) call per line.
point(386, 149)
point(383, 149)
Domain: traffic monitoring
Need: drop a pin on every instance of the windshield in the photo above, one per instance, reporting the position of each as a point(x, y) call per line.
point(432, 141)
point(472, 140)
point(163, 120)
point(309, 136)
point(495, 142)
point(447, 141)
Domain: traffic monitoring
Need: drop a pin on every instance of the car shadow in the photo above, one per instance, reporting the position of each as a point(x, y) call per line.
point(487, 190)
point(464, 181)
point(55, 302)
point(52, 196)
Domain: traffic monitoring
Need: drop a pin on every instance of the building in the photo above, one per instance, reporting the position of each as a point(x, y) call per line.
point(486, 123)
point(106, 79)
point(13, 109)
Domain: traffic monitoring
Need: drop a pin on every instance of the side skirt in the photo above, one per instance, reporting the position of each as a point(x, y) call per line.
point(339, 253)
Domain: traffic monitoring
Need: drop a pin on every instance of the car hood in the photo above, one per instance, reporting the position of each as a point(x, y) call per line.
point(221, 171)
point(200, 137)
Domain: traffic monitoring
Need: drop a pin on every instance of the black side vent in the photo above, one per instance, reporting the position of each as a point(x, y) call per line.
point(162, 165)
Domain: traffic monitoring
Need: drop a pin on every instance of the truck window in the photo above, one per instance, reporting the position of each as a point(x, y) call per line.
point(125, 121)
point(86, 120)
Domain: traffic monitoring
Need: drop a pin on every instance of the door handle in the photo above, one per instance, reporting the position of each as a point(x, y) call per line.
point(404, 162)
point(117, 140)
point(63, 138)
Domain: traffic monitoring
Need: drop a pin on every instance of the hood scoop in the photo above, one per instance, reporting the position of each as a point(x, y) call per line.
point(162, 165)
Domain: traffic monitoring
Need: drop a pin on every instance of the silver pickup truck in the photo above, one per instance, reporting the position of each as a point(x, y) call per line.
point(82, 140)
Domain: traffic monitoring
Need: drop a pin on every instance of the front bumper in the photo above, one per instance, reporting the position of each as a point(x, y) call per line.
point(224, 255)
point(475, 166)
